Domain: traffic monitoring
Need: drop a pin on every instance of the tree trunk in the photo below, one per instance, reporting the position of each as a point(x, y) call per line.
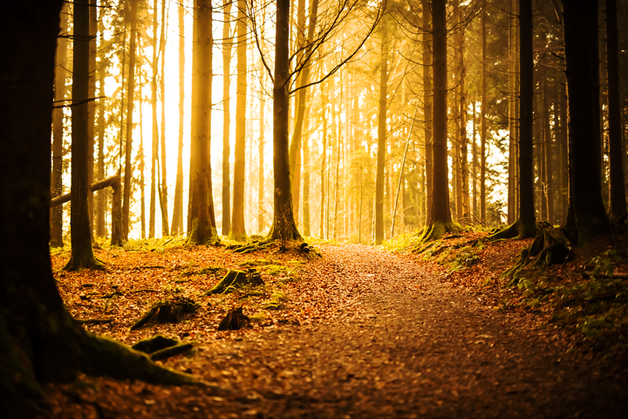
point(201, 219)
point(177, 211)
point(128, 164)
point(40, 341)
point(464, 167)
point(547, 135)
point(101, 196)
point(427, 102)
point(381, 137)
point(440, 220)
point(321, 233)
point(91, 104)
point(142, 185)
point(154, 159)
point(284, 227)
point(260, 169)
point(564, 145)
point(587, 207)
point(474, 165)
point(512, 142)
point(527, 226)
point(82, 253)
point(226, 127)
point(238, 231)
point(306, 181)
point(56, 224)
point(483, 122)
point(163, 193)
point(617, 187)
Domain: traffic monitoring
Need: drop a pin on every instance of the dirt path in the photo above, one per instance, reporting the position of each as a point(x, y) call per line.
point(409, 346)
point(397, 343)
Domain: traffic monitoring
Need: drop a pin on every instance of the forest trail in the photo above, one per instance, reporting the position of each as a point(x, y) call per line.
point(406, 345)
point(365, 334)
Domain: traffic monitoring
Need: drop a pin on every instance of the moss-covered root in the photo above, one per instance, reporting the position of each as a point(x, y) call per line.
point(435, 231)
point(516, 229)
point(512, 273)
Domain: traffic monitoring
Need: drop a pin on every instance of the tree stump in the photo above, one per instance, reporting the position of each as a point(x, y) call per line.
point(169, 311)
point(237, 279)
point(235, 320)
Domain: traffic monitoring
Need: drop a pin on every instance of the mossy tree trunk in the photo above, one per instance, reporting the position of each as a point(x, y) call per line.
point(82, 253)
point(201, 219)
point(39, 341)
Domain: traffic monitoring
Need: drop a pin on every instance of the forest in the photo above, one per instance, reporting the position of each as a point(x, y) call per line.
point(322, 208)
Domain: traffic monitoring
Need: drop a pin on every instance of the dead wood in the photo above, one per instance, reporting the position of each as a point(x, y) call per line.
point(169, 311)
point(234, 320)
point(154, 344)
point(237, 279)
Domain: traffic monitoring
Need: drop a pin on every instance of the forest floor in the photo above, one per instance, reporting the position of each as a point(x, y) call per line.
point(362, 332)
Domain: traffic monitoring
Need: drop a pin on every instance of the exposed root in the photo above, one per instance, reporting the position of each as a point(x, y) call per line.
point(237, 279)
point(169, 311)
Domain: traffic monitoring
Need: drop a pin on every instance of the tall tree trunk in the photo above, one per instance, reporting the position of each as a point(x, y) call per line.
point(117, 235)
point(163, 193)
point(512, 142)
point(321, 233)
point(464, 167)
point(301, 101)
point(260, 169)
point(226, 121)
point(177, 211)
point(306, 179)
point(427, 102)
point(284, 227)
point(564, 145)
point(142, 167)
point(547, 135)
point(617, 187)
point(238, 231)
point(82, 253)
point(128, 164)
point(474, 164)
point(91, 105)
point(483, 122)
point(381, 136)
point(201, 218)
point(154, 160)
point(527, 224)
point(56, 224)
point(441, 216)
point(40, 340)
point(101, 195)
point(587, 207)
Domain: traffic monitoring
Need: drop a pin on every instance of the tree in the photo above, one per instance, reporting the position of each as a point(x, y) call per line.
point(128, 165)
point(483, 112)
point(587, 216)
point(618, 191)
point(201, 219)
point(440, 217)
point(427, 101)
point(227, 44)
point(56, 224)
point(39, 341)
point(381, 138)
point(163, 189)
point(238, 231)
point(82, 252)
point(177, 212)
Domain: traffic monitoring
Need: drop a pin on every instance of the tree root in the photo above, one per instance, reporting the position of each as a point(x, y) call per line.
point(237, 279)
point(170, 311)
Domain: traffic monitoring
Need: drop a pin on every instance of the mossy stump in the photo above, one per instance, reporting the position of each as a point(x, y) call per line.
point(234, 320)
point(169, 311)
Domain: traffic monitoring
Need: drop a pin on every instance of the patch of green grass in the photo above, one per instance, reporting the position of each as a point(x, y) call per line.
point(402, 243)
point(256, 262)
point(276, 301)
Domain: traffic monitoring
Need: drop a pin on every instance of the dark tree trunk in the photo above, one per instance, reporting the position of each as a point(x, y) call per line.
point(238, 231)
point(128, 165)
point(440, 220)
point(618, 191)
point(40, 341)
point(284, 227)
point(56, 224)
point(91, 104)
point(587, 207)
point(381, 138)
point(82, 253)
point(512, 143)
point(101, 196)
point(483, 122)
point(163, 192)
point(177, 211)
point(260, 169)
point(201, 219)
point(427, 101)
point(226, 127)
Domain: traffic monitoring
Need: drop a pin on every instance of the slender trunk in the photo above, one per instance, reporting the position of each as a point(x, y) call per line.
point(163, 193)
point(82, 253)
point(226, 121)
point(201, 218)
point(381, 138)
point(117, 235)
point(238, 231)
point(483, 122)
point(321, 233)
point(260, 170)
point(464, 169)
point(306, 180)
point(154, 160)
point(142, 164)
point(564, 145)
point(617, 187)
point(128, 165)
point(474, 164)
point(526, 174)
point(512, 153)
point(101, 196)
point(56, 221)
point(427, 100)
point(177, 211)
point(91, 104)
point(549, 186)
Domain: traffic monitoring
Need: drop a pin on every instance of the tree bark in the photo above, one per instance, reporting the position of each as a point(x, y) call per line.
point(177, 211)
point(238, 231)
point(56, 224)
point(128, 164)
point(101, 196)
point(381, 137)
point(91, 104)
point(427, 103)
point(512, 142)
point(226, 127)
point(617, 187)
point(464, 167)
point(163, 193)
point(201, 219)
point(587, 207)
point(483, 122)
point(154, 159)
point(284, 227)
point(82, 253)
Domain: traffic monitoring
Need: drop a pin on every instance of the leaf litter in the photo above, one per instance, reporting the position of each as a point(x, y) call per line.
point(359, 333)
